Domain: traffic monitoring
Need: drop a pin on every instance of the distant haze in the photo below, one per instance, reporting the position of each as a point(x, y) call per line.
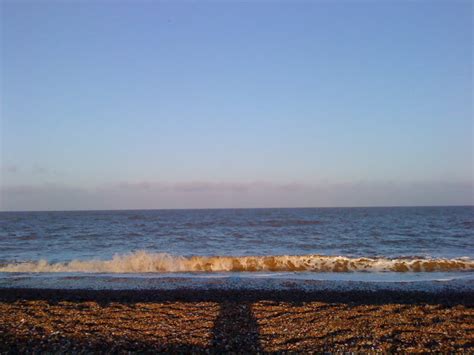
point(179, 104)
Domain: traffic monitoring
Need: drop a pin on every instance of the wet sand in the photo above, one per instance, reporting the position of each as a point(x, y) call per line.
point(219, 320)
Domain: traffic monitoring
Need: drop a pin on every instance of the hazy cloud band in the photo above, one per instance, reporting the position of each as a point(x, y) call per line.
point(205, 194)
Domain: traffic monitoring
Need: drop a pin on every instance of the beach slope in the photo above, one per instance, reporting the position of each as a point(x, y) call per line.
point(229, 320)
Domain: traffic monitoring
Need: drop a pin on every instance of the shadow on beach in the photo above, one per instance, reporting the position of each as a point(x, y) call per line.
point(222, 321)
point(294, 296)
point(236, 329)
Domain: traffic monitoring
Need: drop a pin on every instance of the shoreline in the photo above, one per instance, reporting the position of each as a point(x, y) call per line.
point(449, 297)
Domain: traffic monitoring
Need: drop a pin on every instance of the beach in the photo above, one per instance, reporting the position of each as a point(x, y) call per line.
point(234, 320)
point(236, 177)
point(251, 280)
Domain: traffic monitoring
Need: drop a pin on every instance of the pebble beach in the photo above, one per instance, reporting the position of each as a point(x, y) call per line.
point(111, 321)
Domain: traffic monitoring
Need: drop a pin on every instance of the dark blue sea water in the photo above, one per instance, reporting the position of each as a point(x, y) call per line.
point(308, 239)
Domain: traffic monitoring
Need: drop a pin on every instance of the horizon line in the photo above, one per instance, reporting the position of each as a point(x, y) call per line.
point(231, 208)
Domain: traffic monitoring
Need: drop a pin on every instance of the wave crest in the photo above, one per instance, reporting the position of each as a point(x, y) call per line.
point(145, 262)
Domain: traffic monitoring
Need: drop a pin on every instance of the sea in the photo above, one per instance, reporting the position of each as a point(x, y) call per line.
point(132, 247)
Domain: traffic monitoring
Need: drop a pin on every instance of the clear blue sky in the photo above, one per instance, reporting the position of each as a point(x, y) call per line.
point(150, 104)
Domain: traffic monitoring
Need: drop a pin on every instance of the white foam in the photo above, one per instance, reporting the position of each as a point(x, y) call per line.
point(146, 262)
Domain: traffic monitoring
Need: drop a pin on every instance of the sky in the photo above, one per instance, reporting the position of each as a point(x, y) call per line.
point(210, 104)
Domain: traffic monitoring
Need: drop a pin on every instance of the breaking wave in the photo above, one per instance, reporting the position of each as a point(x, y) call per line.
point(144, 262)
